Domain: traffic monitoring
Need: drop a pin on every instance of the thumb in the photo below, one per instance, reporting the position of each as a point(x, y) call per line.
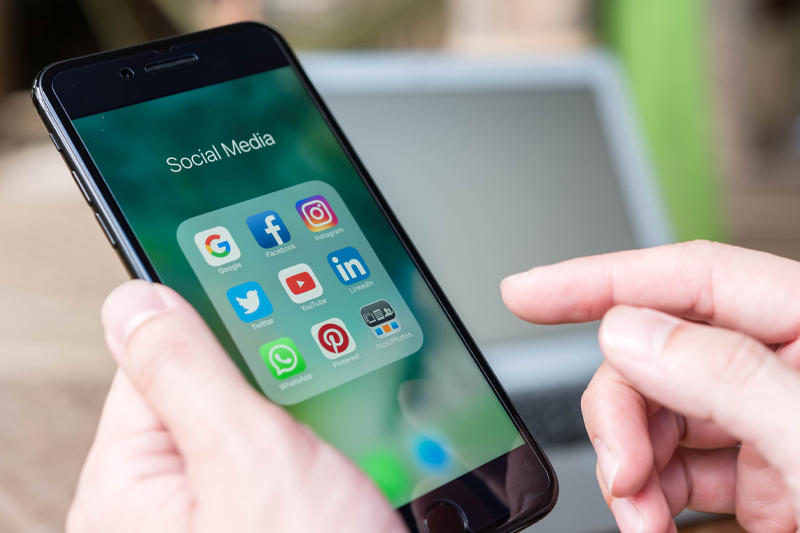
point(713, 374)
point(173, 359)
point(243, 453)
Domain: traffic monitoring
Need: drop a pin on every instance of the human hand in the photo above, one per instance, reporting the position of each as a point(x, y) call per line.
point(702, 355)
point(185, 444)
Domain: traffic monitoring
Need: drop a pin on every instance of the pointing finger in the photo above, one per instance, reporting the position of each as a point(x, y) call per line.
point(749, 291)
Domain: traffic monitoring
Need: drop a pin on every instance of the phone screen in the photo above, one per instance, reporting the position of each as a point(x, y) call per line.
point(245, 202)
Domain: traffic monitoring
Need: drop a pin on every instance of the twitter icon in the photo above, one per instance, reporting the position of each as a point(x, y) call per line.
point(249, 301)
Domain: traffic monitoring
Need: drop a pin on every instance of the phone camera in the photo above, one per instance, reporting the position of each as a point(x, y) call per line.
point(126, 73)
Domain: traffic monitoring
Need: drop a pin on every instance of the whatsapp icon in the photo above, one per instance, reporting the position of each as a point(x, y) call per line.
point(282, 358)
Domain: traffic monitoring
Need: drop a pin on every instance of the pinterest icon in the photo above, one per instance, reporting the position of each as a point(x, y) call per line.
point(333, 338)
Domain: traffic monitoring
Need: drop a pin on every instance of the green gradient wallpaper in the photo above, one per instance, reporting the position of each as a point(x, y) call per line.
point(414, 414)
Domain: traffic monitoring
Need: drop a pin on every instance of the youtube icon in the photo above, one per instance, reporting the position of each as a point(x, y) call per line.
point(300, 283)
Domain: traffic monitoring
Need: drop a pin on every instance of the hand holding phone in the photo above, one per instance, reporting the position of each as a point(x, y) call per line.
point(215, 169)
point(229, 459)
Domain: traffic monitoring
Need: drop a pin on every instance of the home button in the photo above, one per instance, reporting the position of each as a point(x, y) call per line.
point(444, 517)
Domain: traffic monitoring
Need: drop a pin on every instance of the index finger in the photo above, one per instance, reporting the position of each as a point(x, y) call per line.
point(745, 290)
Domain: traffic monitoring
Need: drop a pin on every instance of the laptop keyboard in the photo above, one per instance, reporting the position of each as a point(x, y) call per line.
point(554, 417)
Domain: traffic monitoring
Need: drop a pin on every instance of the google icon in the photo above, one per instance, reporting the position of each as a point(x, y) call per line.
point(220, 244)
point(217, 246)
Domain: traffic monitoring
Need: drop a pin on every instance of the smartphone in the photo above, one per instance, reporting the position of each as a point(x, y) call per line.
point(214, 167)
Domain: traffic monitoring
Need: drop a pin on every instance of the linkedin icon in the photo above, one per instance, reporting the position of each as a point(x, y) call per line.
point(348, 265)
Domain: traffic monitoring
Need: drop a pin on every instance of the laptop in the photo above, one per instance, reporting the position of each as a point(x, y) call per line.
point(494, 166)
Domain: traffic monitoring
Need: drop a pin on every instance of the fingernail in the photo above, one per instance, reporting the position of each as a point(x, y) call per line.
point(127, 308)
point(628, 518)
point(608, 463)
point(513, 277)
point(310, 433)
point(636, 332)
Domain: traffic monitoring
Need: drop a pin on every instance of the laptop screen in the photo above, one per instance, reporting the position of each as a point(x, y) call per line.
point(491, 183)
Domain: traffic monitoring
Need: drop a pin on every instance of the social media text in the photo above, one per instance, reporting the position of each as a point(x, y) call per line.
point(214, 154)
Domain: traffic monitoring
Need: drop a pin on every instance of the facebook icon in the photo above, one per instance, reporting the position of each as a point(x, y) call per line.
point(268, 229)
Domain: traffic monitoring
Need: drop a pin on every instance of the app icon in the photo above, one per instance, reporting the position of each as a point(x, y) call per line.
point(300, 283)
point(348, 265)
point(249, 301)
point(268, 229)
point(282, 357)
point(316, 212)
point(217, 246)
point(333, 338)
point(381, 319)
point(431, 454)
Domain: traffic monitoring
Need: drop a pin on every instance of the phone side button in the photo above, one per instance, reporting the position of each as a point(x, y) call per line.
point(55, 142)
point(105, 230)
point(81, 187)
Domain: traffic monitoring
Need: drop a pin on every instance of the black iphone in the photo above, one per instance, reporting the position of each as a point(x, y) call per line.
point(214, 167)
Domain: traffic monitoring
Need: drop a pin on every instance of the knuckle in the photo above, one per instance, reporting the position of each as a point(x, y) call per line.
point(597, 386)
point(735, 370)
point(589, 401)
point(609, 388)
point(589, 396)
point(737, 363)
point(276, 442)
point(704, 247)
point(593, 401)
point(701, 245)
point(298, 464)
point(277, 438)
point(158, 347)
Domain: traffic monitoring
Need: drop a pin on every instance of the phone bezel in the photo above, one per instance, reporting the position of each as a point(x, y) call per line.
point(133, 256)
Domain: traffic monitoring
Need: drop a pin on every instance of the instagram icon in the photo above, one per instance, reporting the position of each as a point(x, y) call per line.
point(317, 213)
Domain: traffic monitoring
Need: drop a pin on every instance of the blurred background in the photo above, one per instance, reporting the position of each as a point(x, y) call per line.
point(715, 85)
